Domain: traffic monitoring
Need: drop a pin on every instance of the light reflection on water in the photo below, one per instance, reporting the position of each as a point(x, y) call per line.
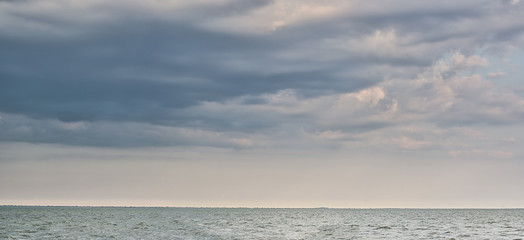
point(244, 223)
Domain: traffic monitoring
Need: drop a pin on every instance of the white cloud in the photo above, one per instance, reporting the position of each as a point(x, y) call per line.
point(407, 143)
point(510, 139)
point(497, 154)
point(332, 135)
point(278, 15)
point(460, 61)
point(436, 109)
point(370, 96)
point(496, 74)
point(501, 154)
point(72, 125)
point(242, 141)
point(470, 133)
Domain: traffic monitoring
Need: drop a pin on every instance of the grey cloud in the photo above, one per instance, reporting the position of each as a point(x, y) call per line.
point(17, 128)
point(99, 77)
point(159, 69)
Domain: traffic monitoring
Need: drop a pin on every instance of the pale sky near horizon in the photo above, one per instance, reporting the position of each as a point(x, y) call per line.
point(232, 103)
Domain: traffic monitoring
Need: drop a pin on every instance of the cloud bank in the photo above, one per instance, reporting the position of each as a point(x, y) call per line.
point(258, 74)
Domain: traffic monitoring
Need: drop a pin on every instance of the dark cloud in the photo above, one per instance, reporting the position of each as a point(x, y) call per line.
point(140, 72)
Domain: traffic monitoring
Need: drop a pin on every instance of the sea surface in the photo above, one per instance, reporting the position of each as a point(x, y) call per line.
point(17, 222)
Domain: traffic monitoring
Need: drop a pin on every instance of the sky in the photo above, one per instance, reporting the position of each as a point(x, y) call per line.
point(233, 103)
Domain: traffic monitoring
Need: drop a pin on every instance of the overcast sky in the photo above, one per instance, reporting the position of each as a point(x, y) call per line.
point(290, 103)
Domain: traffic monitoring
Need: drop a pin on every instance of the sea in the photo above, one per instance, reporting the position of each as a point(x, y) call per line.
point(40, 222)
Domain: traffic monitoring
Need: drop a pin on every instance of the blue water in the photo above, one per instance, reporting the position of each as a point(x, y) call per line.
point(246, 223)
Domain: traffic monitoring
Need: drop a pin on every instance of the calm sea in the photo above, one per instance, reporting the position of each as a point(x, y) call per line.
point(246, 223)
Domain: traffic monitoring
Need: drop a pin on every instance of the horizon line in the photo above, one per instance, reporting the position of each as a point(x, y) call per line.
point(245, 207)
